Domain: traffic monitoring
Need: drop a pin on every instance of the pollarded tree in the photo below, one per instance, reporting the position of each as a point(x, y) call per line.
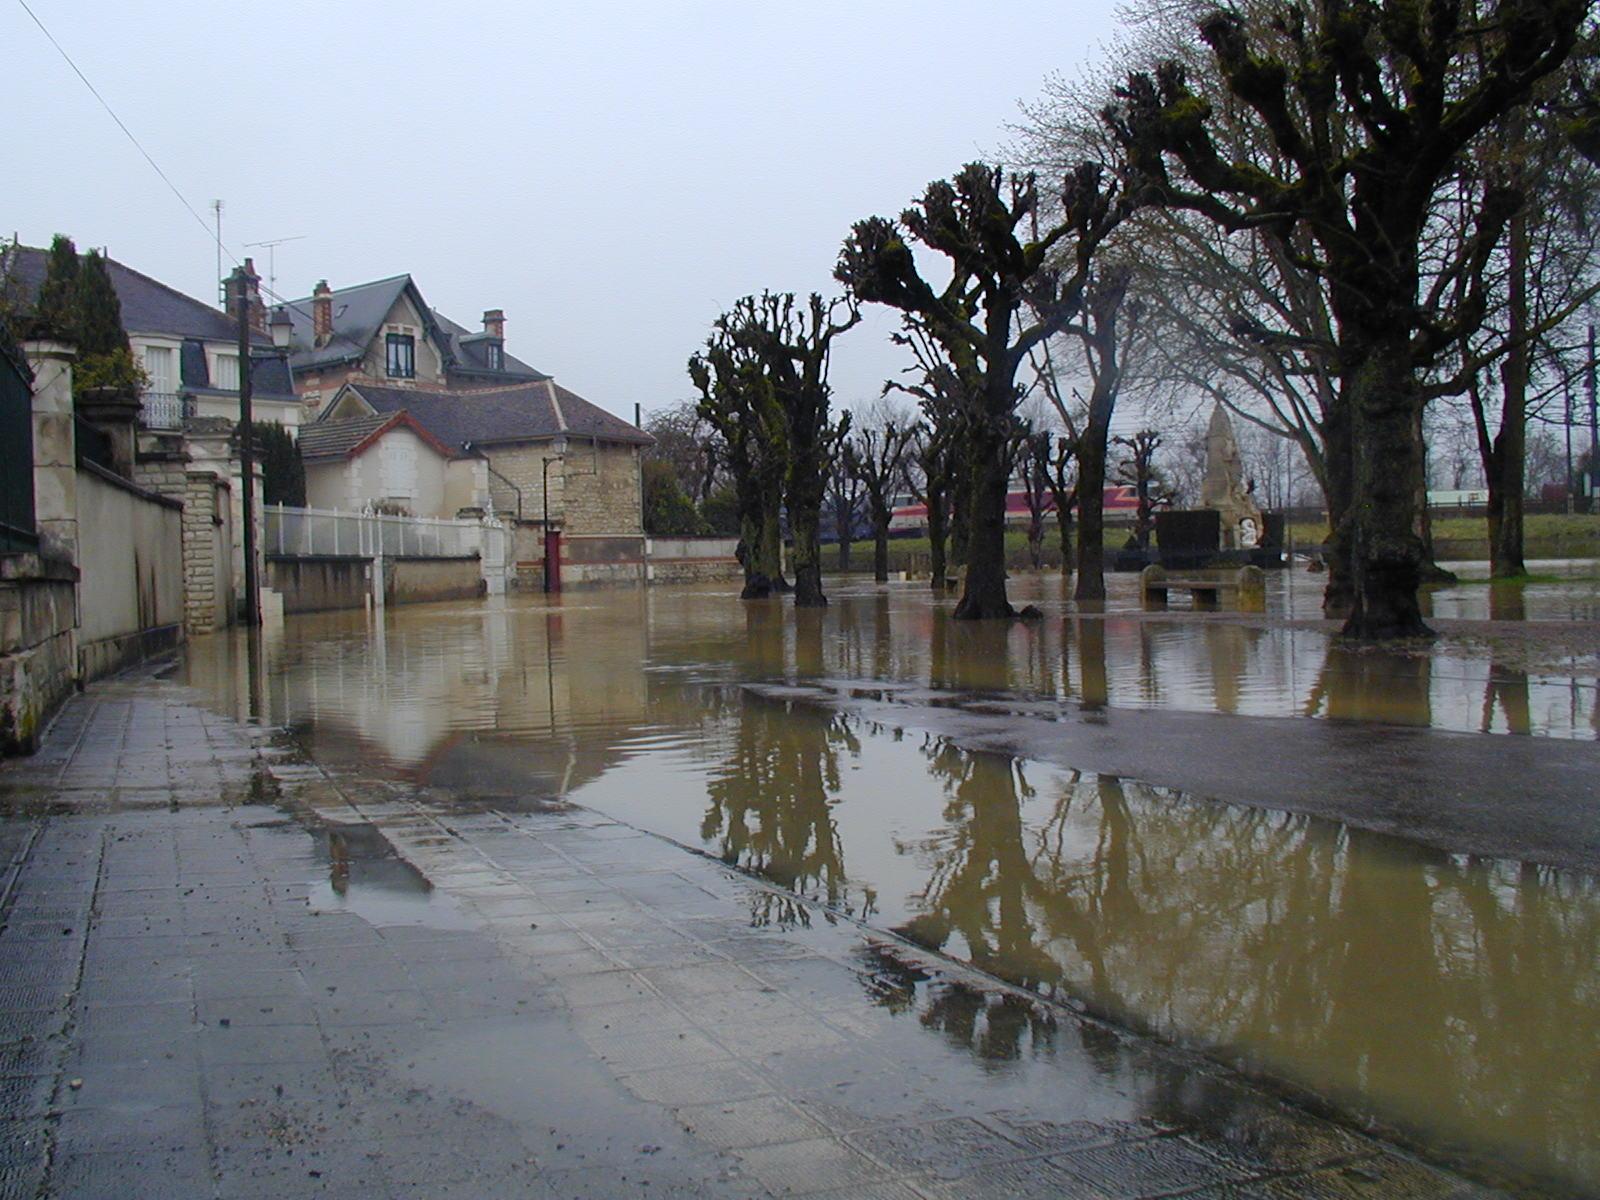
point(877, 456)
point(792, 345)
point(1409, 88)
point(736, 401)
point(997, 281)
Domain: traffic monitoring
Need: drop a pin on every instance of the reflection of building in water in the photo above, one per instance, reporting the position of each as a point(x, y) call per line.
point(487, 696)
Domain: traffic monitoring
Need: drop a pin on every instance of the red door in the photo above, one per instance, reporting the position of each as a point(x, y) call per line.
point(552, 560)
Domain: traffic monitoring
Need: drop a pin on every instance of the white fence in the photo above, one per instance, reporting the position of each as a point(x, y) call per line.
point(303, 532)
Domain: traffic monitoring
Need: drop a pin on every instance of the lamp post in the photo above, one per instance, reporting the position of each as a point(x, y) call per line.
point(552, 546)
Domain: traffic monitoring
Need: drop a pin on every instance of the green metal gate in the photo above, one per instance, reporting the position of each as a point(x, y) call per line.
point(17, 530)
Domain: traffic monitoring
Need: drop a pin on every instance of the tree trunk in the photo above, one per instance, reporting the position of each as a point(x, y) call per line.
point(757, 585)
point(1091, 500)
point(1505, 467)
point(961, 497)
point(803, 522)
point(845, 528)
point(767, 554)
point(984, 594)
point(937, 566)
point(1064, 528)
point(880, 546)
point(1385, 553)
point(1338, 596)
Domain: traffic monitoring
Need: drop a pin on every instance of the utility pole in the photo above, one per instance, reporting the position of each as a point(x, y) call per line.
point(241, 300)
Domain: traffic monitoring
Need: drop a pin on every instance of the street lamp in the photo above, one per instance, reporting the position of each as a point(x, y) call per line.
point(552, 545)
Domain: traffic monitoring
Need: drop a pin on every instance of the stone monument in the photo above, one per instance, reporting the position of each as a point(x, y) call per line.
point(1224, 489)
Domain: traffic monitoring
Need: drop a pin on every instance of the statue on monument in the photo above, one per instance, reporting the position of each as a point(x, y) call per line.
point(1224, 488)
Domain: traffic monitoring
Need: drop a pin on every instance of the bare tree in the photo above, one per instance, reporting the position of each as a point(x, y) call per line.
point(845, 500)
point(877, 455)
point(1408, 90)
point(996, 277)
point(1139, 471)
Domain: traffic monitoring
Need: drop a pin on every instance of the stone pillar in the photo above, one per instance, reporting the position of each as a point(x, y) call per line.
point(55, 449)
point(116, 412)
point(199, 552)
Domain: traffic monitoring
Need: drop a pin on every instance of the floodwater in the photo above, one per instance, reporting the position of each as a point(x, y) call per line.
point(1452, 997)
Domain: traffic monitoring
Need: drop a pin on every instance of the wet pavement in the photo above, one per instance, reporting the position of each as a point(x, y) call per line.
point(229, 970)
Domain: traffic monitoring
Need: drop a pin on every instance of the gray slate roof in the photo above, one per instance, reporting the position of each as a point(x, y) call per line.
point(148, 306)
point(470, 354)
point(151, 307)
point(335, 439)
point(520, 413)
point(358, 314)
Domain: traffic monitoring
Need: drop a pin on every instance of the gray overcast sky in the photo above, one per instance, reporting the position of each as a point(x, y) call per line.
point(613, 175)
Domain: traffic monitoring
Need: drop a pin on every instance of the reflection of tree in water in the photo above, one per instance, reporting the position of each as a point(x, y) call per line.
point(1372, 683)
point(980, 882)
point(1507, 686)
point(1437, 992)
point(771, 808)
point(993, 1024)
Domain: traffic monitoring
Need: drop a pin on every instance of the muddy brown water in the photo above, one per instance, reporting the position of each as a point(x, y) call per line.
point(1452, 997)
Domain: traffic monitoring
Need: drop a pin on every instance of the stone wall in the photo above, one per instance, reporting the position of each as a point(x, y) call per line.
point(130, 564)
point(328, 582)
point(322, 583)
point(692, 560)
point(422, 580)
point(600, 493)
point(38, 652)
point(593, 489)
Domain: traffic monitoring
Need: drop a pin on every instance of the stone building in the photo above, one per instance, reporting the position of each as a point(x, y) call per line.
point(563, 473)
point(385, 332)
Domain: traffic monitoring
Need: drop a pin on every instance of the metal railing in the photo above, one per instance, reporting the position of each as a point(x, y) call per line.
point(308, 532)
point(164, 410)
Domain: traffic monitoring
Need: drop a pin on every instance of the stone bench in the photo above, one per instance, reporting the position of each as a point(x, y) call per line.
point(1245, 588)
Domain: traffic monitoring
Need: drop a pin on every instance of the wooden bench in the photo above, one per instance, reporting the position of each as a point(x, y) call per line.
point(1245, 588)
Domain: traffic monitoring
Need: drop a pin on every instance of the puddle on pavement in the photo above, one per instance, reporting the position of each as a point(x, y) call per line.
point(1453, 997)
point(366, 878)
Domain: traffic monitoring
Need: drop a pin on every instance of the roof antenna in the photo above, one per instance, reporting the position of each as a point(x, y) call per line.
point(222, 291)
point(272, 260)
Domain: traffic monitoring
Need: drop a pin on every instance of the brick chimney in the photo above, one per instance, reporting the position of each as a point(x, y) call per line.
point(258, 310)
point(494, 323)
point(322, 312)
point(246, 276)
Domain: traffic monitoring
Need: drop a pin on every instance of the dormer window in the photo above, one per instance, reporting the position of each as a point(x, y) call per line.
point(401, 356)
point(497, 357)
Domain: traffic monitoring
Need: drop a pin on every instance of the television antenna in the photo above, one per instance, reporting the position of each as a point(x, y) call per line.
point(272, 258)
point(216, 211)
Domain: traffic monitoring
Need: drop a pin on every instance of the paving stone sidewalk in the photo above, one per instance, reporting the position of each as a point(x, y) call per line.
point(224, 973)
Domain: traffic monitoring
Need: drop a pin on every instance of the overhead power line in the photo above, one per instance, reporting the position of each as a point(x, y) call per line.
point(95, 92)
point(154, 166)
